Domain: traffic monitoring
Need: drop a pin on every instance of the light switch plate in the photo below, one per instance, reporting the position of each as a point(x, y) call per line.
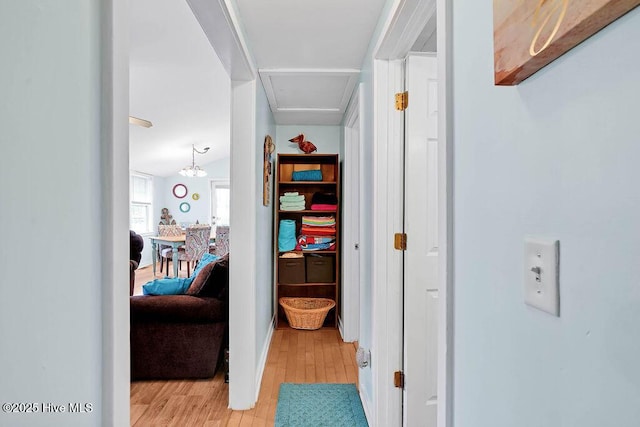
point(541, 273)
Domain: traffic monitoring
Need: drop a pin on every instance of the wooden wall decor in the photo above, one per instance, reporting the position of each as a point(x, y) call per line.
point(529, 34)
point(269, 148)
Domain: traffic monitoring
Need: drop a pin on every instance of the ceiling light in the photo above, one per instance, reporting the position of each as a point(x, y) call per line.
point(140, 122)
point(193, 169)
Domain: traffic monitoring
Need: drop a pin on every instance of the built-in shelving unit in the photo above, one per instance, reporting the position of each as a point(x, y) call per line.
point(287, 164)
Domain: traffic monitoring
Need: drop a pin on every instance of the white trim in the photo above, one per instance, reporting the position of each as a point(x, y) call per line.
point(349, 321)
point(394, 43)
point(446, 349)
point(242, 271)
point(266, 75)
point(387, 263)
point(219, 22)
point(262, 363)
point(367, 412)
point(115, 405)
point(404, 28)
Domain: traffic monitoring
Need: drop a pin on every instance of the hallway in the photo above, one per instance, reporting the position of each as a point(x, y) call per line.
point(294, 356)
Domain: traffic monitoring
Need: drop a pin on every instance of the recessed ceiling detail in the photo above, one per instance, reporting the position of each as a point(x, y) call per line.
point(319, 95)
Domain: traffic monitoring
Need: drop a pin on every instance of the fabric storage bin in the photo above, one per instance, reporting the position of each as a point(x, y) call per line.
point(291, 270)
point(319, 269)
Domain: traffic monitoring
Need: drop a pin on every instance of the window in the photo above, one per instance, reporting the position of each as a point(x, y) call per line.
point(141, 194)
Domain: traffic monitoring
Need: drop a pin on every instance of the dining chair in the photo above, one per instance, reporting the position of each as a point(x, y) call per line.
point(195, 245)
point(222, 240)
point(165, 251)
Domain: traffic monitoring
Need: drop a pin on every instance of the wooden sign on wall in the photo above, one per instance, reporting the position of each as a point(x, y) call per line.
point(269, 148)
point(529, 34)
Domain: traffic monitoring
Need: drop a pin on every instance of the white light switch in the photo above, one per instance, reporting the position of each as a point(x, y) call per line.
point(541, 272)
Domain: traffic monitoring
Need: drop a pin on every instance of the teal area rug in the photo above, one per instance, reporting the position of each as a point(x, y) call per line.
point(319, 405)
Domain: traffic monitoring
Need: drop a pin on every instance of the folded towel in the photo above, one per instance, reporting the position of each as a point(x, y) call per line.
point(304, 239)
point(299, 198)
point(291, 193)
point(324, 207)
point(318, 221)
point(292, 208)
point(318, 231)
point(309, 175)
point(318, 247)
point(296, 203)
point(292, 255)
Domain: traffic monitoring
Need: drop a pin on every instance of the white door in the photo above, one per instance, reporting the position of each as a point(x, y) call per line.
point(350, 316)
point(220, 193)
point(421, 255)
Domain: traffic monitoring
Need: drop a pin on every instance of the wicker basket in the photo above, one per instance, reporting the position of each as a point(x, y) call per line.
point(306, 313)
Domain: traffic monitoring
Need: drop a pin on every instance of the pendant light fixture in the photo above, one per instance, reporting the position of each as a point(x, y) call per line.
point(193, 169)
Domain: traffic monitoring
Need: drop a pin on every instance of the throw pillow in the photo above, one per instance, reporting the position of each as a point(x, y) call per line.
point(167, 286)
point(201, 279)
point(218, 284)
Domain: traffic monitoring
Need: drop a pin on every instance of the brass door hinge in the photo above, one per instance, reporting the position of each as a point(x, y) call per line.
point(398, 379)
point(400, 241)
point(402, 101)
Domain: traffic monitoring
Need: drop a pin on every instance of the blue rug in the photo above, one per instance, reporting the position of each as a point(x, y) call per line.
point(319, 405)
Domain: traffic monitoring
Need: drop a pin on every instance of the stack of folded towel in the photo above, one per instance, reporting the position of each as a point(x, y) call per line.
point(292, 202)
point(317, 233)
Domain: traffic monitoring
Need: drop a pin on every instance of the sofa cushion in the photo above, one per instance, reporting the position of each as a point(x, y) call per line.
point(176, 309)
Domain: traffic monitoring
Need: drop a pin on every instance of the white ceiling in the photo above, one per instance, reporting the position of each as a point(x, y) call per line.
point(308, 54)
point(178, 83)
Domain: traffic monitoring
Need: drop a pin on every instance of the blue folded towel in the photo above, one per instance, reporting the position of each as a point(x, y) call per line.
point(310, 175)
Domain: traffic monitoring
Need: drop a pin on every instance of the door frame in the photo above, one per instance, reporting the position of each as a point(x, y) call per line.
point(219, 23)
point(349, 322)
point(398, 36)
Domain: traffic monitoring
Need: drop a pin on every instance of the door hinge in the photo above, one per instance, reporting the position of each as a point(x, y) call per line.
point(400, 241)
point(398, 379)
point(402, 101)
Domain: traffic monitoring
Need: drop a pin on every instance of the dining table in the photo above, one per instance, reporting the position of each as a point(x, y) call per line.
point(175, 242)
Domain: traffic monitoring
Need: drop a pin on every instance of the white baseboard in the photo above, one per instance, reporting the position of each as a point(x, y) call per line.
point(341, 328)
point(365, 405)
point(263, 357)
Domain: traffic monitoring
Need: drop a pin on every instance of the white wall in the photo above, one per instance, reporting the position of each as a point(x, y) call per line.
point(555, 156)
point(326, 138)
point(201, 208)
point(265, 125)
point(50, 310)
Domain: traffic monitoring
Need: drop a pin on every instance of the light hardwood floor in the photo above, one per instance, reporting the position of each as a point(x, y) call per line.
point(294, 356)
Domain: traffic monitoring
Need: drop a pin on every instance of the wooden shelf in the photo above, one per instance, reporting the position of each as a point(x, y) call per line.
point(309, 252)
point(329, 166)
point(308, 183)
point(308, 284)
point(306, 211)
